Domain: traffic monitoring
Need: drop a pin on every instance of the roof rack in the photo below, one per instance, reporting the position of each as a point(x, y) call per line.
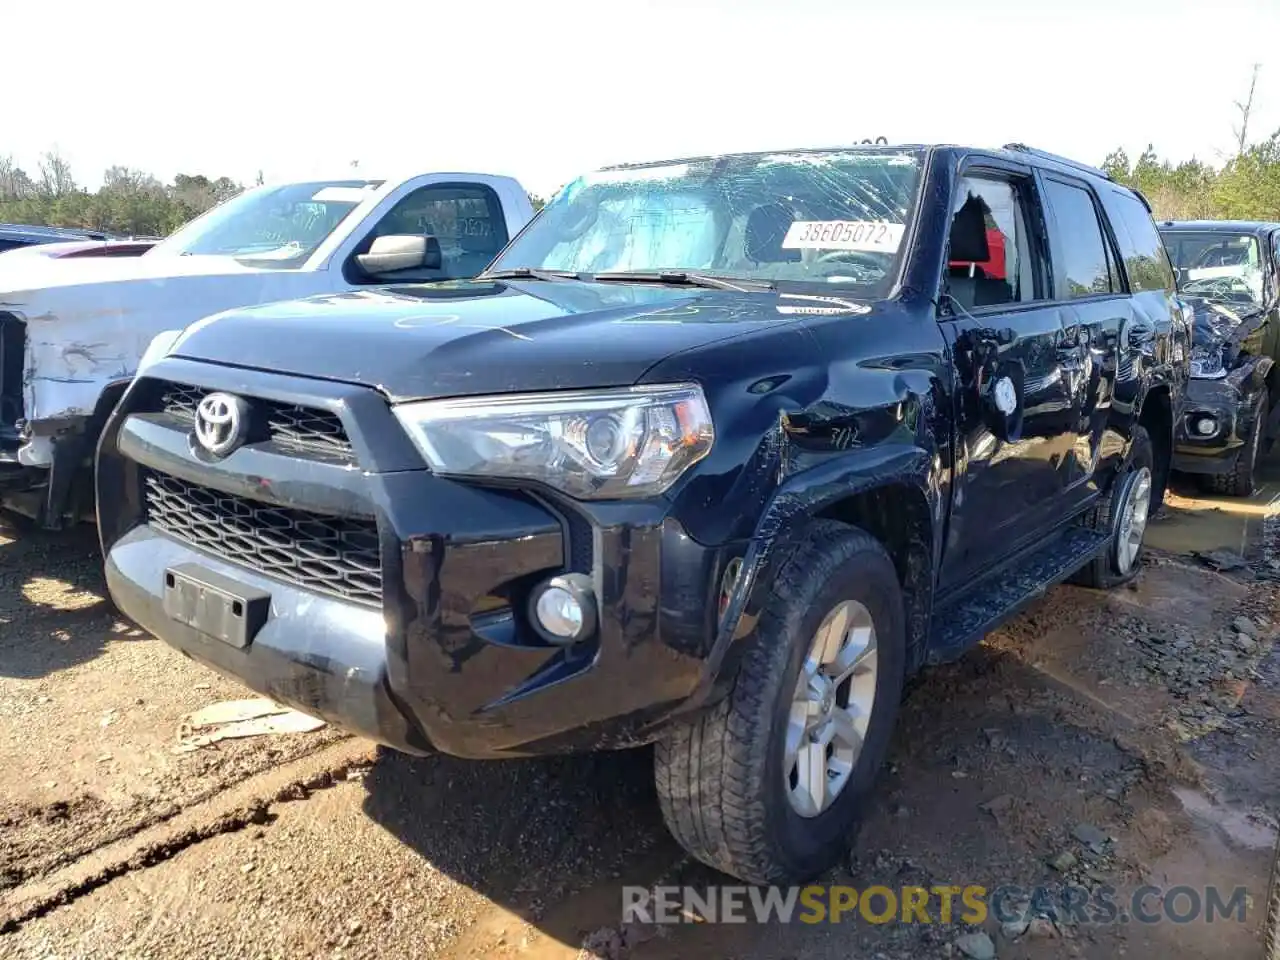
point(1065, 161)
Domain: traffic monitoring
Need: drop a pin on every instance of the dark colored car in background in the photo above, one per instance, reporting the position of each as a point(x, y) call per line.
point(715, 455)
point(15, 235)
point(80, 249)
point(1229, 272)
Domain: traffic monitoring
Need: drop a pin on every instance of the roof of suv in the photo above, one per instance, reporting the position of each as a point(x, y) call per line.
point(1221, 226)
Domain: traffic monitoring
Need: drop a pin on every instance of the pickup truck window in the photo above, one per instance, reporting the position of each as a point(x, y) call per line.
point(836, 218)
point(1085, 268)
point(990, 260)
point(270, 226)
point(467, 220)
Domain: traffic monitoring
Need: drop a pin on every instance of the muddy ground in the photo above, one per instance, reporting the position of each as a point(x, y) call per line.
point(1099, 740)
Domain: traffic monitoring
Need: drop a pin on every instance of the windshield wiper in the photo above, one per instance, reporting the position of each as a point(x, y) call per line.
point(684, 278)
point(528, 273)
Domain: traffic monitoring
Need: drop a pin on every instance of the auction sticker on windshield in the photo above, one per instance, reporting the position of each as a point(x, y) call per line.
point(866, 235)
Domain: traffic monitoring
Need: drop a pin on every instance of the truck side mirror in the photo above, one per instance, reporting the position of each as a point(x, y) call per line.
point(395, 252)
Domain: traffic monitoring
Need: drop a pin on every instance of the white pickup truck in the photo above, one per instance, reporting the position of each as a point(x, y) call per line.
point(73, 331)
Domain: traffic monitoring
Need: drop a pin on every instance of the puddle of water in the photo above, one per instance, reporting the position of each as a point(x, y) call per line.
point(1236, 824)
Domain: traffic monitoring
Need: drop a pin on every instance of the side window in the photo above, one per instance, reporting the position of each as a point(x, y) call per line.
point(1084, 268)
point(991, 259)
point(466, 219)
point(1145, 259)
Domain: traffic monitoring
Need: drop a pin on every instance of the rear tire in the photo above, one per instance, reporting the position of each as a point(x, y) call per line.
point(1116, 565)
point(1239, 481)
point(728, 781)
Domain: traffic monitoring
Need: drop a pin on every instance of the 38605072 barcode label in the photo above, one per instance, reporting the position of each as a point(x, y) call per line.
point(868, 235)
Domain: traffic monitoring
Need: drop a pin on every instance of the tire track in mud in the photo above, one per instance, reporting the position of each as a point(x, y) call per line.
point(250, 803)
point(14, 875)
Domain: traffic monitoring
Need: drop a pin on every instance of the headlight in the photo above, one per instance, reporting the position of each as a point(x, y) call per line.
point(1206, 363)
point(597, 445)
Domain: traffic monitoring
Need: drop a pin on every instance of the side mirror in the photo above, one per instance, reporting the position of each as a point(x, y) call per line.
point(396, 252)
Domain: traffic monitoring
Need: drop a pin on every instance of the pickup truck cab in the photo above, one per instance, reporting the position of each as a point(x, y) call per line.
point(714, 455)
point(73, 331)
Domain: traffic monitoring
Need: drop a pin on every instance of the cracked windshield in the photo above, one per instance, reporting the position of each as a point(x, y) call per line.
point(1223, 268)
point(272, 226)
point(830, 218)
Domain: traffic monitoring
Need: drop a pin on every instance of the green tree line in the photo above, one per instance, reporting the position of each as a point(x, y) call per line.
point(1246, 187)
point(129, 202)
point(134, 203)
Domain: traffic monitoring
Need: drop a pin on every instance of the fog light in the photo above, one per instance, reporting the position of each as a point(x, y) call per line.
point(563, 609)
point(1206, 426)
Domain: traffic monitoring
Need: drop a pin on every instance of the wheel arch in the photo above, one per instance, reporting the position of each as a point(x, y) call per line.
point(899, 516)
point(890, 492)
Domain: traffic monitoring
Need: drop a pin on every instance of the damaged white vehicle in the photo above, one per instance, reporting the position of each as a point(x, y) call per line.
point(73, 331)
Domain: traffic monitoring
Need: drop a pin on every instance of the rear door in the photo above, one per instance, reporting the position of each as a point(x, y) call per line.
point(1015, 421)
point(1153, 349)
point(1097, 315)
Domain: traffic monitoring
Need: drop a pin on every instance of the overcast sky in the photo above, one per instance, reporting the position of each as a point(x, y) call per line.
point(546, 89)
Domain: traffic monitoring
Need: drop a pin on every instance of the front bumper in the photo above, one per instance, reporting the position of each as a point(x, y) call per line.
point(1229, 409)
point(446, 659)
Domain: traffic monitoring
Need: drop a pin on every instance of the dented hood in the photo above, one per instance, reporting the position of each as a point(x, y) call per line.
point(1218, 323)
point(475, 337)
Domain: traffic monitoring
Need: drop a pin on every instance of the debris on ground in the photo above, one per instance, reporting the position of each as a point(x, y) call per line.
point(1063, 861)
point(976, 946)
point(1093, 838)
point(233, 719)
point(1220, 560)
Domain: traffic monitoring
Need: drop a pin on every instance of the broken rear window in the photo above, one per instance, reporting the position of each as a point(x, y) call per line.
point(836, 218)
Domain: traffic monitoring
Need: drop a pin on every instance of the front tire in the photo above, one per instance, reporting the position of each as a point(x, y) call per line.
point(767, 785)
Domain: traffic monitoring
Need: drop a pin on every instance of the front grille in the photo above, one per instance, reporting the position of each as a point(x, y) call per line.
point(338, 556)
point(305, 429)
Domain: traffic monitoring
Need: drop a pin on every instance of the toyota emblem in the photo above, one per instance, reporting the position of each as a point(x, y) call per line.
point(221, 420)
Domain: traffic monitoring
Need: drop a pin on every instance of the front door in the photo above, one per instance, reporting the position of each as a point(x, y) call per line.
point(1014, 408)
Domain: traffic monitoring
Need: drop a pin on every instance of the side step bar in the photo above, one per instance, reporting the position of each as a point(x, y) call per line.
point(966, 621)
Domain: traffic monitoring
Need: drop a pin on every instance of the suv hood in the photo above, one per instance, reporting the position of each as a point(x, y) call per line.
point(476, 337)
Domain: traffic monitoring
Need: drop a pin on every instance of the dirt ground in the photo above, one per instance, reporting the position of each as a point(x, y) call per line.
point(1100, 739)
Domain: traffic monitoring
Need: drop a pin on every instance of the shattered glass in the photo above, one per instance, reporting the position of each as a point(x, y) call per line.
point(1220, 267)
point(836, 218)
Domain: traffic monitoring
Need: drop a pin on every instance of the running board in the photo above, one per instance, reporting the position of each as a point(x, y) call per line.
point(964, 622)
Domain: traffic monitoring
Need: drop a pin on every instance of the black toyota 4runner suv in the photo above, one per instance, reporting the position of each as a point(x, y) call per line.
point(714, 455)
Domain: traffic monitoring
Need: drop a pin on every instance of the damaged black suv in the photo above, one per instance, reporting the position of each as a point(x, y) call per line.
point(1229, 271)
point(713, 456)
